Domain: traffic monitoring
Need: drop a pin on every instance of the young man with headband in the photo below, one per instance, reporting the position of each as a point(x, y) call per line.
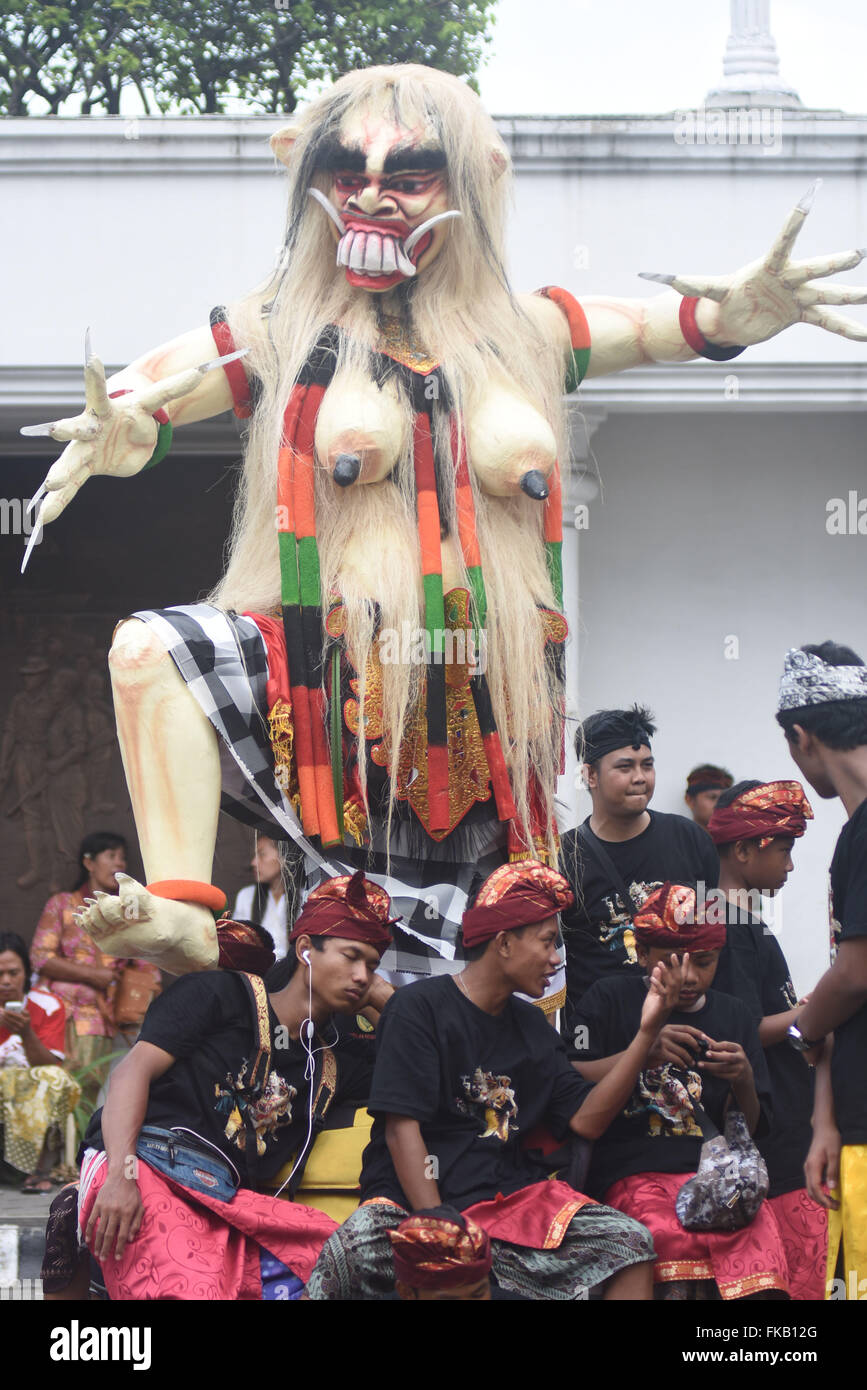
point(215, 1098)
point(622, 852)
point(823, 712)
point(654, 1145)
point(465, 1073)
point(754, 827)
point(704, 786)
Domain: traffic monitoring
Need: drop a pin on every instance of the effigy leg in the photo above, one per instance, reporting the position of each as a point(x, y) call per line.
point(171, 759)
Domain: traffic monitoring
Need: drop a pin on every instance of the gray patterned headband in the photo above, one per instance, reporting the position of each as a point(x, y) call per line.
point(808, 680)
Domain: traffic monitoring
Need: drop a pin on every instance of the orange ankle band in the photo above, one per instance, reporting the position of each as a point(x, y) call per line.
point(190, 890)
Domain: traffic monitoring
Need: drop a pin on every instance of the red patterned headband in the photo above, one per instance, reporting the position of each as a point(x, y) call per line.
point(515, 895)
point(351, 908)
point(440, 1249)
point(764, 813)
point(669, 919)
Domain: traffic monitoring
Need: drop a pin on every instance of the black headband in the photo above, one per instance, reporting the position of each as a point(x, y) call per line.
point(619, 729)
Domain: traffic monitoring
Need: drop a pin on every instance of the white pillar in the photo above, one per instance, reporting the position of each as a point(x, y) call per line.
point(751, 65)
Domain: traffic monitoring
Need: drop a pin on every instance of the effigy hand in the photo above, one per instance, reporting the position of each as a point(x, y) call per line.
point(761, 299)
point(115, 437)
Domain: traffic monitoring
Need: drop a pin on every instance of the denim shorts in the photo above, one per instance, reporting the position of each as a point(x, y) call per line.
point(189, 1160)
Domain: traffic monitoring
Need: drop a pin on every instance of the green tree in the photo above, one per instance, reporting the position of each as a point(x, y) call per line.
point(188, 56)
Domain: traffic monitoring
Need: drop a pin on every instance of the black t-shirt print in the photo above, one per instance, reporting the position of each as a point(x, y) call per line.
point(656, 1132)
point(205, 1021)
point(597, 930)
point(849, 905)
point(478, 1085)
point(753, 968)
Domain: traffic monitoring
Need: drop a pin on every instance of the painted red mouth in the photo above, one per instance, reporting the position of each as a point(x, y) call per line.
point(372, 250)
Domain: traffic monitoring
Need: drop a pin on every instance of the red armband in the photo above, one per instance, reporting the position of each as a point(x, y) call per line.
point(235, 374)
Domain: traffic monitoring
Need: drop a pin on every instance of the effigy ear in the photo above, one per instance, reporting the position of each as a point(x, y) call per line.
point(283, 142)
point(499, 160)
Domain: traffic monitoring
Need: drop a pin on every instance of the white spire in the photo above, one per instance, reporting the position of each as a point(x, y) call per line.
point(751, 65)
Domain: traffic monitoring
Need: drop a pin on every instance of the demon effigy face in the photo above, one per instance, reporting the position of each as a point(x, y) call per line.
point(389, 200)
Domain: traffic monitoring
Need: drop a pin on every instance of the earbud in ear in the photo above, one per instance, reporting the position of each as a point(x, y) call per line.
point(305, 955)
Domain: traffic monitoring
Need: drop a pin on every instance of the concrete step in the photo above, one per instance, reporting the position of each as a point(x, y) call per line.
point(22, 1242)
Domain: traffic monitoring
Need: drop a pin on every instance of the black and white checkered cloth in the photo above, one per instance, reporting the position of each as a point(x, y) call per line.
point(223, 660)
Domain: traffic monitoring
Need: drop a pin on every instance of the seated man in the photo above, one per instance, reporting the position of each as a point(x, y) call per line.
point(754, 828)
point(214, 1099)
point(654, 1145)
point(465, 1072)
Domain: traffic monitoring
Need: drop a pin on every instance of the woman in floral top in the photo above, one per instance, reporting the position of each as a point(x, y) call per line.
point(72, 966)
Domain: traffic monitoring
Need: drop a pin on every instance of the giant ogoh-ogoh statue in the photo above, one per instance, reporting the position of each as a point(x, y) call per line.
point(379, 675)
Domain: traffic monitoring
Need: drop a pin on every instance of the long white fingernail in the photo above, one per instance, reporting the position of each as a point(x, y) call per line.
point(660, 279)
point(36, 498)
point(35, 538)
point(222, 361)
point(806, 202)
point(37, 431)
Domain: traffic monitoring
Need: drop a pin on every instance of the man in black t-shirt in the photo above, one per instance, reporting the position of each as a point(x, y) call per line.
point(213, 1100)
point(622, 852)
point(654, 1145)
point(467, 1075)
point(823, 712)
point(754, 826)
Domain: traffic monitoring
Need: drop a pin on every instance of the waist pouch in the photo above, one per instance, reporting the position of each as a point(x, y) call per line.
point(186, 1158)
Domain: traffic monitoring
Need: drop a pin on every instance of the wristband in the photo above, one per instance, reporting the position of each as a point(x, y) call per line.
point(164, 433)
point(695, 339)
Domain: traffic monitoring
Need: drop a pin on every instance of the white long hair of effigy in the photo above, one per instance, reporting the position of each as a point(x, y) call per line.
point(462, 309)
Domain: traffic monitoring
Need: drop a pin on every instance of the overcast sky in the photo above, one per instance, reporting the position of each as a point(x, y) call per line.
point(552, 57)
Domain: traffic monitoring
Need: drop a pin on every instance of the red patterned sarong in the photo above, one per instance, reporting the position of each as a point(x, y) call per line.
point(804, 1228)
point(537, 1217)
point(740, 1262)
point(195, 1247)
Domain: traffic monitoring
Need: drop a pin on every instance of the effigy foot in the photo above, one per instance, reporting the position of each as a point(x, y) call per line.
point(178, 936)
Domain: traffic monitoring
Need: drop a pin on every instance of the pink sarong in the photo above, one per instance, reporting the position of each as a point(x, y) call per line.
point(804, 1227)
point(196, 1247)
point(740, 1262)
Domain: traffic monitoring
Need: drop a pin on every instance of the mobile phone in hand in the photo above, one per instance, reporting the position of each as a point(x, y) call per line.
point(15, 1006)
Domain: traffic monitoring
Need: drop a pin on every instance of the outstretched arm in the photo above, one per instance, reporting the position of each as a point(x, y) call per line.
point(744, 307)
point(840, 993)
point(116, 433)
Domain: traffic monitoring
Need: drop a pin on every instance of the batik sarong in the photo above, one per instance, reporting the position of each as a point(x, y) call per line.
point(743, 1262)
point(562, 1245)
point(33, 1100)
point(847, 1228)
point(195, 1247)
point(804, 1228)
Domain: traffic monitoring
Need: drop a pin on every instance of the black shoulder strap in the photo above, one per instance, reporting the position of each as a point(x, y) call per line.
point(596, 849)
point(257, 1077)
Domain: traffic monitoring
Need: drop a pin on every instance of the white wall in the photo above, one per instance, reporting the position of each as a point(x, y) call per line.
point(713, 526)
